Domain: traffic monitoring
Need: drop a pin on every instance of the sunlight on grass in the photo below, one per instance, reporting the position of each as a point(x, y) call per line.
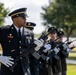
point(72, 54)
point(71, 69)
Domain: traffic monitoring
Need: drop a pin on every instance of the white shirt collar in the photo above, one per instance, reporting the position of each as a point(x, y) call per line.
point(21, 29)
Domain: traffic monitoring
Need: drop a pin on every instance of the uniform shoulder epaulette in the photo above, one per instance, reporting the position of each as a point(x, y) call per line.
point(5, 27)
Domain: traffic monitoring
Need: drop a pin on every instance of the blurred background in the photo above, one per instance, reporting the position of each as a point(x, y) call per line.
point(46, 13)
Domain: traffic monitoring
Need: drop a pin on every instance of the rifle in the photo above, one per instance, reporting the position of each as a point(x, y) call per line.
point(52, 53)
point(29, 50)
point(71, 41)
point(63, 51)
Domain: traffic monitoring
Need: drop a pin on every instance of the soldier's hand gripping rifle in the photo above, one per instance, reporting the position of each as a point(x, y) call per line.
point(66, 48)
point(57, 49)
point(45, 50)
point(54, 52)
point(30, 49)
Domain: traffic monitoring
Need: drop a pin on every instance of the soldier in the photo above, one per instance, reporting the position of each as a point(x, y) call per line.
point(52, 36)
point(12, 40)
point(47, 68)
point(63, 59)
point(34, 63)
point(56, 64)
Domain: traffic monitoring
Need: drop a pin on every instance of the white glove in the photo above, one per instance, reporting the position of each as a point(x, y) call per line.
point(65, 46)
point(37, 48)
point(6, 61)
point(68, 50)
point(56, 50)
point(39, 44)
point(47, 46)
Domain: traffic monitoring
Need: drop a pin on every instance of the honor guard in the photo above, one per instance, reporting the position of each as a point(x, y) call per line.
point(57, 68)
point(63, 59)
point(47, 69)
point(53, 35)
point(56, 65)
point(13, 42)
point(34, 63)
point(29, 32)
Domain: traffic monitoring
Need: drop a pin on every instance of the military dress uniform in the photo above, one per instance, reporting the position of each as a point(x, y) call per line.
point(52, 63)
point(62, 56)
point(47, 68)
point(34, 63)
point(12, 45)
point(63, 60)
point(57, 68)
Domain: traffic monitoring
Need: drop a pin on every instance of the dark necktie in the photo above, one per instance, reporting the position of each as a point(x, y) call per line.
point(19, 34)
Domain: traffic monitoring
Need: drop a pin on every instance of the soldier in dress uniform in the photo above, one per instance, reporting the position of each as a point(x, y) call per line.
point(12, 40)
point(47, 68)
point(56, 64)
point(29, 30)
point(34, 63)
point(52, 36)
point(63, 58)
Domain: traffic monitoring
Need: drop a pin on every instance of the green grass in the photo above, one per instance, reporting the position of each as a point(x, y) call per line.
point(71, 69)
point(72, 56)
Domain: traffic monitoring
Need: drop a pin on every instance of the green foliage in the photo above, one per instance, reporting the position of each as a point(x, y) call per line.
point(61, 14)
point(3, 13)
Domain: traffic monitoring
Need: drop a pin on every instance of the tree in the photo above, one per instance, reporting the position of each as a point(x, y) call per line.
point(61, 14)
point(3, 13)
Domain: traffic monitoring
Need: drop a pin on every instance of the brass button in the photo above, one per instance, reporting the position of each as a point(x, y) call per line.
point(19, 46)
point(40, 62)
point(19, 41)
point(12, 28)
point(9, 41)
point(20, 57)
point(20, 52)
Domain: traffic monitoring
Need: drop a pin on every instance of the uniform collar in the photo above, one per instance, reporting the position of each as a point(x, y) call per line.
point(21, 29)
